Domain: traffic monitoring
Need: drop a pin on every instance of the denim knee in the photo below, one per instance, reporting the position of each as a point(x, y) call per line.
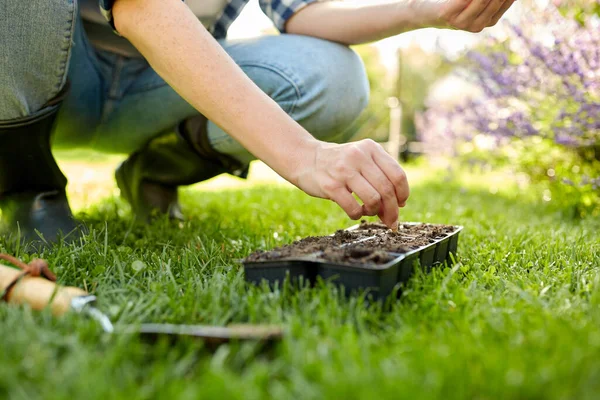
point(36, 37)
point(349, 95)
point(335, 90)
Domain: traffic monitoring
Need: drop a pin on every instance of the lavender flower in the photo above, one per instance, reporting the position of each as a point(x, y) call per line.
point(549, 91)
point(529, 88)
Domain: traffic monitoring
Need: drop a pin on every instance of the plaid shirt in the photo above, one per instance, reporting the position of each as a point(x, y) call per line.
point(279, 11)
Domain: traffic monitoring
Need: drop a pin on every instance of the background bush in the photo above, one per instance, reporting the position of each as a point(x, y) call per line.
point(537, 109)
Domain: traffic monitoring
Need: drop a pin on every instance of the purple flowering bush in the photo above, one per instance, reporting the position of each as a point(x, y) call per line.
point(538, 109)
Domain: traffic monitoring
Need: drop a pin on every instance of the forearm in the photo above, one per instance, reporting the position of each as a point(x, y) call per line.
point(359, 22)
point(186, 56)
point(351, 22)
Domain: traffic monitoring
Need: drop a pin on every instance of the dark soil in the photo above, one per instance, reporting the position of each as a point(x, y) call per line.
point(356, 255)
point(408, 237)
point(308, 245)
point(370, 243)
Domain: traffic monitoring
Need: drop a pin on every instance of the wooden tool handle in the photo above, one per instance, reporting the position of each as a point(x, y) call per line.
point(38, 293)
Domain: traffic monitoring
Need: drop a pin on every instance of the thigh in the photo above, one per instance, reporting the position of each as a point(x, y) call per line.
point(320, 84)
point(139, 107)
point(80, 114)
point(35, 46)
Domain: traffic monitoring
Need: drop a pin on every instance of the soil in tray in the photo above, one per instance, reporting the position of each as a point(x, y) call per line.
point(408, 237)
point(308, 245)
point(356, 255)
point(370, 243)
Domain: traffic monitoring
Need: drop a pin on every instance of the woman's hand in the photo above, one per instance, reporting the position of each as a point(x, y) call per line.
point(335, 171)
point(466, 15)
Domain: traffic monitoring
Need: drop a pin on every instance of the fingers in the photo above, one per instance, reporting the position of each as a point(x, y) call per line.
point(478, 14)
point(395, 174)
point(465, 20)
point(347, 202)
point(507, 4)
point(365, 169)
point(368, 192)
point(386, 176)
point(484, 19)
point(388, 205)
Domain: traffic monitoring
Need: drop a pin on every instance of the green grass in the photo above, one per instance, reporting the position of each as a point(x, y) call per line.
point(517, 317)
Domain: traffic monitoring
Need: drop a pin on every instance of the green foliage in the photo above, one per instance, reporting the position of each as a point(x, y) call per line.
point(517, 317)
point(374, 121)
point(564, 174)
point(537, 112)
point(418, 70)
point(579, 10)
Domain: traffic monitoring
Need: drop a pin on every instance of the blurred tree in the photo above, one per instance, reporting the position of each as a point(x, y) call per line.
point(417, 71)
point(373, 122)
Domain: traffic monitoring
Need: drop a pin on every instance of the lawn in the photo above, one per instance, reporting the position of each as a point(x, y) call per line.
point(517, 318)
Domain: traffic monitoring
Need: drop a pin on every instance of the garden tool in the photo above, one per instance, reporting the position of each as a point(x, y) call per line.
point(34, 284)
point(32, 187)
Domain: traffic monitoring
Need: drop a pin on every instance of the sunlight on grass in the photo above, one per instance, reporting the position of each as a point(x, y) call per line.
point(516, 318)
point(91, 177)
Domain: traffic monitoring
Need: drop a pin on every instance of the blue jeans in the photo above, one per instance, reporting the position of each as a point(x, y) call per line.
point(117, 104)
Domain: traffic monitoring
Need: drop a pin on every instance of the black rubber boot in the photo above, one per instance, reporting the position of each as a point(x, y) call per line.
point(149, 178)
point(32, 187)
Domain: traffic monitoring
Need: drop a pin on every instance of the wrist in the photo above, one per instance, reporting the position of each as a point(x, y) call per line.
point(301, 160)
point(425, 13)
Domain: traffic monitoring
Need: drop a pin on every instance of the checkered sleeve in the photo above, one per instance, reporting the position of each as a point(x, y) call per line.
point(279, 11)
point(106, 10)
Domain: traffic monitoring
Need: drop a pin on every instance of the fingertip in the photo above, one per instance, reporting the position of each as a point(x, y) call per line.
point(356, 215)
point(391, 223)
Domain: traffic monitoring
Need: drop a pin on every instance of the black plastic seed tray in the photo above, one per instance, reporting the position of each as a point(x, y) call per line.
point(379, 279)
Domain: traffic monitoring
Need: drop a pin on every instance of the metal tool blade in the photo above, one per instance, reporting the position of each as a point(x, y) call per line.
point(209, 334)
point(85, 305)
